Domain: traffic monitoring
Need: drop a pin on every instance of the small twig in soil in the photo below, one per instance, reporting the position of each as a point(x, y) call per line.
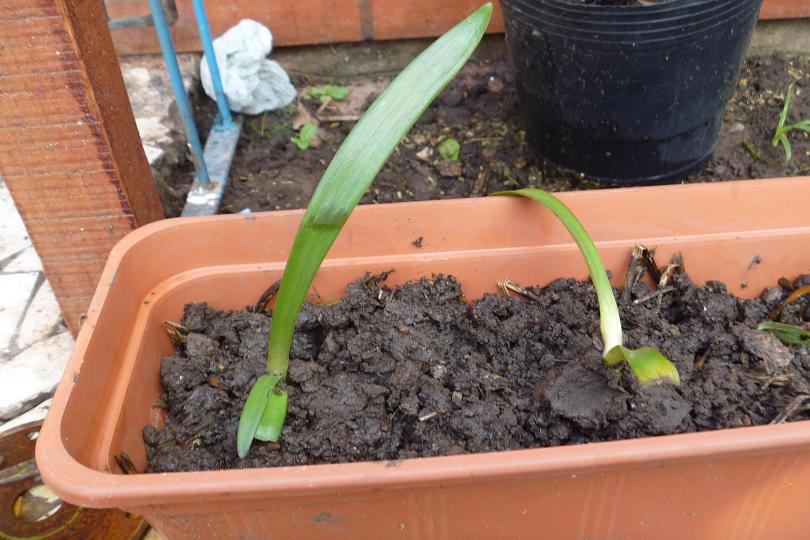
point(216, 382)
point(792, 408)
point(768, 380)
point(481, 185)
point(648, 258)
point(374, 280)
point(190, 442)
point(702, 358)
point(484, 139)
point(125, 463)
point(267, 295)
point(754, 153)
point(177, 333)
point(654, 294)
point(326, 101)
point(795, 295)
point(635, 270)
point(428, 416)
point(507, 285)
point(339, 118)
point(666, 275)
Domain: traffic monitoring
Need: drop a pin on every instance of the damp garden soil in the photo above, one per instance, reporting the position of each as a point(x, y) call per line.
point(481, 111)
point(396, 373)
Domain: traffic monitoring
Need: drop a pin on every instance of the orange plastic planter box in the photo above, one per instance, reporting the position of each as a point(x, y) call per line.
point(742, 483)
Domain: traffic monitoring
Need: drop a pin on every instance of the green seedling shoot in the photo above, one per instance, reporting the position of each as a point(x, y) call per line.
point(355, 165)
point(647, 363)
point(327, 91)
point(787, 333)
point(782, 130)
point(450, 149)
point(305, 135)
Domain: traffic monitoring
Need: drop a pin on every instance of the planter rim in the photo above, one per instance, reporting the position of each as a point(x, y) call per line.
point(139, 234)
point(74, 481)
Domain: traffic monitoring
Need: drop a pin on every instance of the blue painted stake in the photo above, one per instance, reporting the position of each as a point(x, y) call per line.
point(169, 55)
point(208, 47)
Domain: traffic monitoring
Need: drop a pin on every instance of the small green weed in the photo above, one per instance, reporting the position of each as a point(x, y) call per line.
point(782, 130)
point(787, 333)
point(305, 135)
point(450, 149)
point(327, 91)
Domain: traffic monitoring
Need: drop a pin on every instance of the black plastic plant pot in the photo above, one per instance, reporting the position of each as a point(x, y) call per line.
point(628, 94)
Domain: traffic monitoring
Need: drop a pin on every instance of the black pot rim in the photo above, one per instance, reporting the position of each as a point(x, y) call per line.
point(694, 18)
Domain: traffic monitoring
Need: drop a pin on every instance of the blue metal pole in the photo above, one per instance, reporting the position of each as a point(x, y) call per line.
point(208, 47)
point(170, 56)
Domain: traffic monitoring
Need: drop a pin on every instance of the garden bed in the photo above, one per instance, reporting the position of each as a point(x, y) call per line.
point(480, 110)
point(391, 374)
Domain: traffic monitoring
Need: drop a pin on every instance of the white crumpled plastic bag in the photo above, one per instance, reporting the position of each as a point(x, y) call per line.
point(252, 83)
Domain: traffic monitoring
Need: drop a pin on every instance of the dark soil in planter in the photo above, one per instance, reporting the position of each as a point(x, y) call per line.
point(416, 371)
point(480, 110)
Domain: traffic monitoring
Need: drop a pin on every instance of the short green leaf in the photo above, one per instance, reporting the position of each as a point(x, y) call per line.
point(648, 364)
point(788, 148)
point(304, 137)
point(804, 125)
point(785, 108)
point(788, 333)
point(253, 411)
point(450, 149)
point(272, 421)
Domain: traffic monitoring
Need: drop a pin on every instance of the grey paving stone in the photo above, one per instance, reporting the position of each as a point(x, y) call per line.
point(31, 377)
point(15, 290)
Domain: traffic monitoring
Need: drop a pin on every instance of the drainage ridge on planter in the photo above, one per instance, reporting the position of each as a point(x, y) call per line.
point(627, 94)
point(628, 27)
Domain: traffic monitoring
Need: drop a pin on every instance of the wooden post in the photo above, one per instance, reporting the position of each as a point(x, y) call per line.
point(69, 148)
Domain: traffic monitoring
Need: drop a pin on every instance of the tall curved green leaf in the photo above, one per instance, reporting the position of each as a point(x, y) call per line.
point(357, 162)
point(354, 167)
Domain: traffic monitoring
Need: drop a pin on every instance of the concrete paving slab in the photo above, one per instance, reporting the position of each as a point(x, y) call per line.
point(37, 413)
point(13, 236)
point(31, 377)
point(42, 319)
point(26, 260)
point(15, 292)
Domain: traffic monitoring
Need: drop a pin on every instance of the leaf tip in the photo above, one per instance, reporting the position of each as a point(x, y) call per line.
point(648, 364)
point(481, 17)
point(244, 438)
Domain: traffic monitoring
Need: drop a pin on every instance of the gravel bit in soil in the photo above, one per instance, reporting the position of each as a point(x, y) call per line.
point(388, 374)
point(481, 111)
